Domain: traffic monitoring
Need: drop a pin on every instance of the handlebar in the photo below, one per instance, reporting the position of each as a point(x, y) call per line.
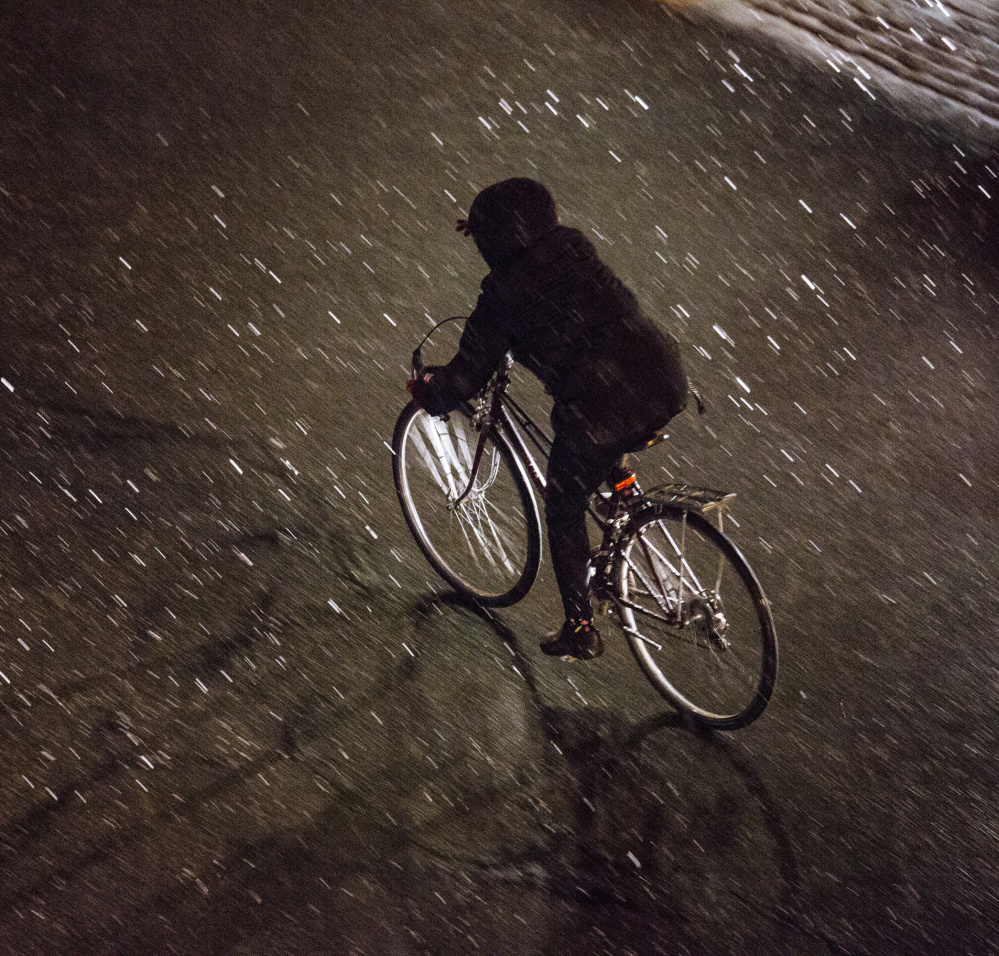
point(418, 369)
point(416, 366)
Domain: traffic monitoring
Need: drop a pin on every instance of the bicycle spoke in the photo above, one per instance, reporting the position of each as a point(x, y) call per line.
point(709, 652)
point(474, 515)
point(428, 460)
point(472, 520)
point(721, 571)
point(634, 632)
point(651, 590)
point(463, 443)
point(448, 444)
point(483, 519)
point(494, 464)
point(430, 429)
point(440, 438)
point(488, 544)
point(649, 550)
point(664, 619)
point(692, 581)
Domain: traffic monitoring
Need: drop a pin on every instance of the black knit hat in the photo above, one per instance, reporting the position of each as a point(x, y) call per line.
point(508, 216)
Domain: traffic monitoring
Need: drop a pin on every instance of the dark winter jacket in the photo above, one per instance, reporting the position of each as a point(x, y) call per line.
point(565, 317)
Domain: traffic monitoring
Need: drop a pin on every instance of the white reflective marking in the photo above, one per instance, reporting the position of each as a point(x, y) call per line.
point(424, 453)
point(447, 444)
point(431, 427)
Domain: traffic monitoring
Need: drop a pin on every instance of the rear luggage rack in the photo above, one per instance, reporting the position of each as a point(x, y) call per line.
point(690, 498)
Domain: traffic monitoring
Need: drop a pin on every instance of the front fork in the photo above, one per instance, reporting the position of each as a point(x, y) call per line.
point(487, 412)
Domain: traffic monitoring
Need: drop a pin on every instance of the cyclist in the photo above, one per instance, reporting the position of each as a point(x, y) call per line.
point(615, 378)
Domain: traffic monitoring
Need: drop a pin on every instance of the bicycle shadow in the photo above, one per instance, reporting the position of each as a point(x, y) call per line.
point(627, 823)
point(595, 832)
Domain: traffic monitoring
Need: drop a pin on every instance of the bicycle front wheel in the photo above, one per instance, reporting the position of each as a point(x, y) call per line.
point(489, 546)
point(696, 618)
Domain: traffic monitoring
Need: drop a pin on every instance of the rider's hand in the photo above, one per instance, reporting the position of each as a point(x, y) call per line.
point(416, 387)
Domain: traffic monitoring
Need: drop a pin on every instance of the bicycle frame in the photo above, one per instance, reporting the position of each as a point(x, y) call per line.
point(493, 411)
point(496, 409)
point(660, 563)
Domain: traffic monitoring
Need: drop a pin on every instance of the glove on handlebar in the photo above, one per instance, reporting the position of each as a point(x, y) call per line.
point(416, 388)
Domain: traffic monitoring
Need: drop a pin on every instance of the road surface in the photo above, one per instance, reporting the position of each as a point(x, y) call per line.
point(238, 712)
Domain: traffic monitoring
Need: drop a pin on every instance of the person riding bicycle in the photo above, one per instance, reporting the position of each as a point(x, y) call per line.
point(615, 377)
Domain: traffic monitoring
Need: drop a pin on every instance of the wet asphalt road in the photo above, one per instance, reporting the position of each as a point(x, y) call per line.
point(238, 714)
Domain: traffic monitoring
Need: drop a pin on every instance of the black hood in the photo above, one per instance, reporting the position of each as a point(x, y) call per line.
point(508, 216)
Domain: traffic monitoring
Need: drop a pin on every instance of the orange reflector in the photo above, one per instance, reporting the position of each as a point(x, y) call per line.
point(621, 485)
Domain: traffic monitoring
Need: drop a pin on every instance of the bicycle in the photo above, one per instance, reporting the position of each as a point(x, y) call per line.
point(465, 484)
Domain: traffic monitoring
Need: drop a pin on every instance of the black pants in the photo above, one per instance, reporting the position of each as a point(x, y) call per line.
point(576, 469)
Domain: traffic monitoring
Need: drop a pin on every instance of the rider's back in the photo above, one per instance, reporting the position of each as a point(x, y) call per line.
point(551, 301)
point(572, 323)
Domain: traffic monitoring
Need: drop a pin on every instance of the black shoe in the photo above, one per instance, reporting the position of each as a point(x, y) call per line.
point(578, 640)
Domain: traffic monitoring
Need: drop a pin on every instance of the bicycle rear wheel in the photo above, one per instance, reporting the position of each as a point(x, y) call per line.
point(489, 546)
point(699, 624)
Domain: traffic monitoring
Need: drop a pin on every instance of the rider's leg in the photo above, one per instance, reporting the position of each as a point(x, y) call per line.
point(575, 471)
point(572, 478)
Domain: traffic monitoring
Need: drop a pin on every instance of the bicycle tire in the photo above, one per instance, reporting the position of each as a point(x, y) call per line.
point(720, 666)
point(489, 548)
